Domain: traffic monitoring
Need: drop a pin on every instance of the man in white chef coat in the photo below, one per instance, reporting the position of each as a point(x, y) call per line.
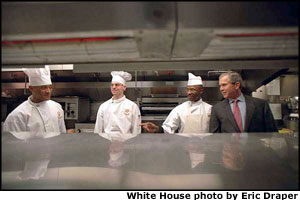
point(38, 114)
point(191, 116)
point(118, 115)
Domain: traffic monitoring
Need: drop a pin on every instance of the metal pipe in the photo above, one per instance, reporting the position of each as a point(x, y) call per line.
point(25, 86)
point(257, 34)
point(176, 29)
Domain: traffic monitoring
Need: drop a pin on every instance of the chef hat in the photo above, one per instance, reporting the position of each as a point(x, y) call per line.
point(38, 76)
point(120, 77)
point(194, 80)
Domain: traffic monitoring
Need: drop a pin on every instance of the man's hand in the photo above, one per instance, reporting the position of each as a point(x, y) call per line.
point(71, 131)
point(149, 127)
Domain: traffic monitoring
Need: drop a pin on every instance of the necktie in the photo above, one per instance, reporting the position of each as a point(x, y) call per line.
point(237, 115)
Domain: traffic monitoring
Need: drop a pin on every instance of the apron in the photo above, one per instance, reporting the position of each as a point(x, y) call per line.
point(196, 123)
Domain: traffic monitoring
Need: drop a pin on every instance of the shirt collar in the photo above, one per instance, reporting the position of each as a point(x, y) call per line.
point(118, 100)
point(32, 103)
point(196, 103)
point(240, 98)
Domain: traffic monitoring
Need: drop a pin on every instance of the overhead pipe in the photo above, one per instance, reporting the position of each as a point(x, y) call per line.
point(93, 39)
point(257, 34)
point(176, 29)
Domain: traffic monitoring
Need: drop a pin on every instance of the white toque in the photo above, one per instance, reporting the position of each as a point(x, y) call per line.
point(120, 77)
point(38, 76)
point(194, 80)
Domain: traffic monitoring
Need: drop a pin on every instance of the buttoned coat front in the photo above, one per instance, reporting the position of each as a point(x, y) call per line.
point(259, 117)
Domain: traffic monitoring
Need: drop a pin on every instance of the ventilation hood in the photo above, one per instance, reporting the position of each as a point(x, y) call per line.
point(146, 36)
point(61, 32)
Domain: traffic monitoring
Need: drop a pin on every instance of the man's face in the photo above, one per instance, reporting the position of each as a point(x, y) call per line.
point(194, 92)
point(117, 89)
point(228, 89)
point(41, 93)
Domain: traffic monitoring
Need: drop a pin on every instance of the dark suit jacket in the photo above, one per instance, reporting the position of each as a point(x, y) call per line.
point(259, 117)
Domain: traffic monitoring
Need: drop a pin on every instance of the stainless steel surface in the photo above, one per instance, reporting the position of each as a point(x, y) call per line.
point(182, 36)
point(102, 17)
point(293, 103)
point(256, 161)
point(291, 117)
point(292, 124)
point(285, 85)
point(165, 95)
point(75, 108)
point(139, 84)
point(155, 118)
point(159, 100)
point(84, 127)
point(157, 109)
point(191, 64)
point(255, 73)
point(160, 31)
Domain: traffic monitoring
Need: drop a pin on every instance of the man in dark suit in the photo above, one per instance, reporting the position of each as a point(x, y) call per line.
point(239, 112)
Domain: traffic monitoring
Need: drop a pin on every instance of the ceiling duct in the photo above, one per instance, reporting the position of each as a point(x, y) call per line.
point(153, 36)
point(146, 31)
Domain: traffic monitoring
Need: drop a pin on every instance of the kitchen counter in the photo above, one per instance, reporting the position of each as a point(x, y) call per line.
point(256, 161)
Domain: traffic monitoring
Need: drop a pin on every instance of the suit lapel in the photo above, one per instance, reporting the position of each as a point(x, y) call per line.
point(250, 107)
point(231, 116)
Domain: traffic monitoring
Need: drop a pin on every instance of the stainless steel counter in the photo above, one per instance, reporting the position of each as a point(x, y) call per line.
point(150, 161)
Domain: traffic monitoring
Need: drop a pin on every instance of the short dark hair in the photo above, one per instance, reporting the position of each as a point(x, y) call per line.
point(233, 77)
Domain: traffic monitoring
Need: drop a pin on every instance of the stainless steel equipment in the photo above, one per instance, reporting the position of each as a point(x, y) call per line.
point(158, 108)
point(291, 120)
point(76, 108)
point(158, 31)
point(181, 36)
point(186, 36)
point(84, 127)
point(293, 103)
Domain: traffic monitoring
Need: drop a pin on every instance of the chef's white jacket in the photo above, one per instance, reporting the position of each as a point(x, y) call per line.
point(182, 114)
point(118, 116)
point(46, 116)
